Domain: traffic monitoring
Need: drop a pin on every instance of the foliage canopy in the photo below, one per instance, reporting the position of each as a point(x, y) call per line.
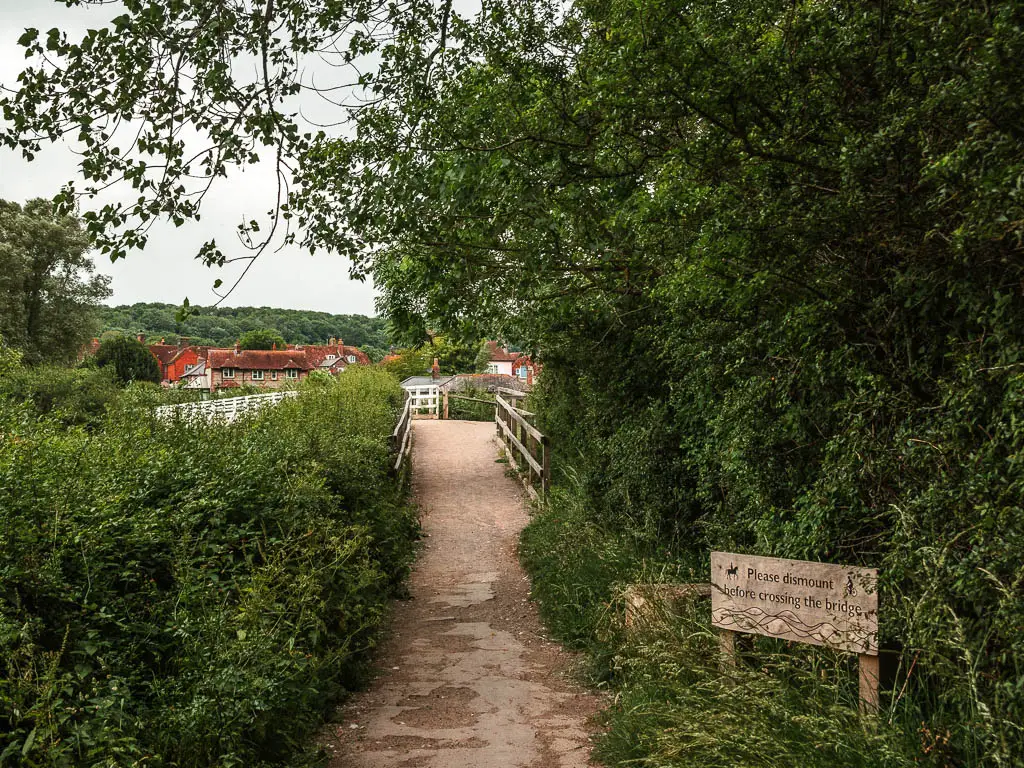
point(771, 254)
point(222, 326)
point(262, 339)
point(49, 291)
point(129, 359)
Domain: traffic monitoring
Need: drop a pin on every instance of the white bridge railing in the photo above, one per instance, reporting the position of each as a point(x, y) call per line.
point(424, 400)
point(228, 408)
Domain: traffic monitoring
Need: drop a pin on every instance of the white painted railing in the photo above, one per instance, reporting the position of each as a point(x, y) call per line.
point(424, 399)
point(228, 408)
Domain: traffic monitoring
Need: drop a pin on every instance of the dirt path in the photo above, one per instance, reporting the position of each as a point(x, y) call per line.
point(467, 679)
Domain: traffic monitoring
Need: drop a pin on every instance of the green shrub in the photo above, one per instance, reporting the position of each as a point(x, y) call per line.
point(673, 705)
point(190, 593)
point(74, 395)
point(468, 410)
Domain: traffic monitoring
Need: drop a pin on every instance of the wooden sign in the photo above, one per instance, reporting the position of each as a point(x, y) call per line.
point(817, 603)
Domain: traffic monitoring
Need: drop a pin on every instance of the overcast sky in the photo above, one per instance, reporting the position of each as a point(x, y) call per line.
point(166, 270)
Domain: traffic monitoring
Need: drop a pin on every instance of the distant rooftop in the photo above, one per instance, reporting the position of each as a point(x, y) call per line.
point(426, 381)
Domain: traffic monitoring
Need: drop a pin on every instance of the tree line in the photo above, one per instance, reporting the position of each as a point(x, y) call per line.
point(223, 326)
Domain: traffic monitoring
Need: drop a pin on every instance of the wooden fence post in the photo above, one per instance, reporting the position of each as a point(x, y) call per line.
point(545, 480)
point(446, 405)
point(868, 673)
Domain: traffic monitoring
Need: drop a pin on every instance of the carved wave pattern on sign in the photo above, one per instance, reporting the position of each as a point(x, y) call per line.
point(751, 619)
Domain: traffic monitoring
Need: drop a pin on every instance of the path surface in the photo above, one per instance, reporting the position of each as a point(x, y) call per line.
point(467, 680)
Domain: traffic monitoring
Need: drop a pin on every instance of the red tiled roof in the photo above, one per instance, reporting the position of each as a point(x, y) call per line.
point(259, 359)
point(165, 353)
point(499, 354)
point(316, 354)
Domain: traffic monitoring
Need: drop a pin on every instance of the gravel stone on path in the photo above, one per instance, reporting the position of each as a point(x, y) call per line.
point(467, 679)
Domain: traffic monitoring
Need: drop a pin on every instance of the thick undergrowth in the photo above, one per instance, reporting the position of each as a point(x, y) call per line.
point(191, 594)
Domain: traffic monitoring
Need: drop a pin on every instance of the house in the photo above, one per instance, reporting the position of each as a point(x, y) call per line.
point(195, 377)
point(267, 369)
point(499, 359)
point(333, 357)
point(525, 369)
point(518, 364)
point(175, 359)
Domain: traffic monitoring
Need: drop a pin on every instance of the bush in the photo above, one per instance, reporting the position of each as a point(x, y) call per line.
point(673, 706)
point(73, 395)
point(129, 359)
point(193, 594)
point(468, 410)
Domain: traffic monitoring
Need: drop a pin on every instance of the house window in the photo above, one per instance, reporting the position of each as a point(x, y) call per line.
point(523, 373)
point(273, 375)
point(257, 375)
point(351, 358)
point(228, 373)
point(492, 367)
point(292, 373)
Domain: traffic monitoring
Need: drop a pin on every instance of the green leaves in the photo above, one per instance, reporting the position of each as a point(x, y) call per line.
point(28, 37)
point(198, 606)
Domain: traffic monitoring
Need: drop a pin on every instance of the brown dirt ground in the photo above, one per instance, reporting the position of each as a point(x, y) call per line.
point(467, 679)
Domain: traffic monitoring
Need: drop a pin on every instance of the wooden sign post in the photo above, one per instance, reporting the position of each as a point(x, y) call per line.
point(817, 603)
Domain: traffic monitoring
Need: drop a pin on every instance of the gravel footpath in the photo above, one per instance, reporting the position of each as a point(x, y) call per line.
point(467, 679)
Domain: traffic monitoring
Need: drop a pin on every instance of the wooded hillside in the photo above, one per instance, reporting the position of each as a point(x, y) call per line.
point(222, 326)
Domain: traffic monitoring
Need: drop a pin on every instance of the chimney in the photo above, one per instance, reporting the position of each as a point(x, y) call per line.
point(238, 349)
point(332, 341)
point(273, 347)
point(435, 371)
point(182, 342)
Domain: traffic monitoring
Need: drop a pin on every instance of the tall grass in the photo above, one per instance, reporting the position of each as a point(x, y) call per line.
point(673, 702)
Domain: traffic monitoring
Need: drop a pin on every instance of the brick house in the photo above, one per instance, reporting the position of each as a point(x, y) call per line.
point(499, 359)
point(525, 369)
point(267, 369)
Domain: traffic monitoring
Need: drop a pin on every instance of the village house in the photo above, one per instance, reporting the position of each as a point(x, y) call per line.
point(332, 357)
point(267, 369)
point(175, 359)
point(501, 361)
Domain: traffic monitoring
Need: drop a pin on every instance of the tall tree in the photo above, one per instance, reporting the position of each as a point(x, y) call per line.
point(48, 286)
point(262, 339)
point(130, 359)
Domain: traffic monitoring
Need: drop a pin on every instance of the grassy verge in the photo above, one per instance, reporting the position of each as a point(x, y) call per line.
point(672, 703)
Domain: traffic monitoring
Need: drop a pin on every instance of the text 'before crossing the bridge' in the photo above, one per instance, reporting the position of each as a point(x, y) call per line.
point(817, 603)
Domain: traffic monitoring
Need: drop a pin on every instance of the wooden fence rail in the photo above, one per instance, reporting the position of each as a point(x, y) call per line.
point(401, 438)
point(523, 440)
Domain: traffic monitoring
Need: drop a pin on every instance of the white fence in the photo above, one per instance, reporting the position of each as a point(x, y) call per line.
point(424, 399)
point(228, 408)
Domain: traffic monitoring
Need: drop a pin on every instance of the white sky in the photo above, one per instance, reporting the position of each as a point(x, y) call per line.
point(166, 270)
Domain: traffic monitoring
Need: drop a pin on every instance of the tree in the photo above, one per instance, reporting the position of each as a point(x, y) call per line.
point(452, 357)
point(130, 359)
point(262, 339)
point(48, 287)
